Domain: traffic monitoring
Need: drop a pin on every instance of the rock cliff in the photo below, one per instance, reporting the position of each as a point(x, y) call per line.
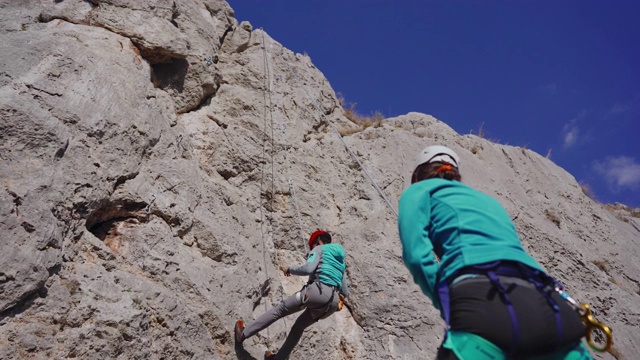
point(161, 163)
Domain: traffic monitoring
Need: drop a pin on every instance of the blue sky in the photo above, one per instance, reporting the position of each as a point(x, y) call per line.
point(554, 76)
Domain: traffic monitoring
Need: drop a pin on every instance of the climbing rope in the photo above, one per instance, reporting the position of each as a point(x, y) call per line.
point(335, 130)
point(292, 189)
point(268, 109)
point(268, 120)
point(262, 165)
point(283, 128)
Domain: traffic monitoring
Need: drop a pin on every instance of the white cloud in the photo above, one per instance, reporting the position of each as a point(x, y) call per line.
point(571, 133)
point(620, 172)
point(625, 108)
point(620, 108)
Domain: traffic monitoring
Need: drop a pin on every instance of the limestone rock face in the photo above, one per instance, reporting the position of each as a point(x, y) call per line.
point(161, 163)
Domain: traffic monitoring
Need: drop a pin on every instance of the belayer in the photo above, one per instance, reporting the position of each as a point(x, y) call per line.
point(497, 301)
point(319, 298)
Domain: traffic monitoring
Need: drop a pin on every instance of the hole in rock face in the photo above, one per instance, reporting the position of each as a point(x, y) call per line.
point(107, 222)
point(110, 210)
point(107, 229)
point(170, 75)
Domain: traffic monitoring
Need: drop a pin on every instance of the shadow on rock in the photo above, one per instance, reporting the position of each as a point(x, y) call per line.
point(242, 354)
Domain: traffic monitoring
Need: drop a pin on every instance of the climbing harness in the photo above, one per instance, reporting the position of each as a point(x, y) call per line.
point(543, 282)
point(327, 305)
point(492, 270)
point(593, 326)
point(303, 300)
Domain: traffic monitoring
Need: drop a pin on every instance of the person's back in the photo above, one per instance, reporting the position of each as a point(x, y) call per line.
point(473, 228)
point(325, 263)
point(495, 297)
point(333, 265)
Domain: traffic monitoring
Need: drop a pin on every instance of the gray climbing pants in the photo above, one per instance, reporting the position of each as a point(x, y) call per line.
point(316, 301)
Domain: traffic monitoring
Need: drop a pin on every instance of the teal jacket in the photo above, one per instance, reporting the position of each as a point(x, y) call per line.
point(327, 264)
point(462, 226)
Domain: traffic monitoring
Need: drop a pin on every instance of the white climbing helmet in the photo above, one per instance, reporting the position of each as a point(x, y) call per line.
point(437, 153)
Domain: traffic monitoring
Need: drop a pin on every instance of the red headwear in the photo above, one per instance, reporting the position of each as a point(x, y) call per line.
point(315, 234)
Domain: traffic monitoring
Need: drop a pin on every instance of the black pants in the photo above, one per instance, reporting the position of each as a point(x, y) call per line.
point(478, 308)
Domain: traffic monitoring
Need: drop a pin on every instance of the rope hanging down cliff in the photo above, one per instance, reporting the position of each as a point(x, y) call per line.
point(335, 130)
point(267, 104)
point(283, 128)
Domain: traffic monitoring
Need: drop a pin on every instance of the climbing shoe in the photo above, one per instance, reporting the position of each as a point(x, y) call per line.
point(239, 328)
point(269, 355)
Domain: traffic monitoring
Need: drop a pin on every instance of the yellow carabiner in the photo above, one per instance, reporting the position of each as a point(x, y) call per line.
point(592, 324)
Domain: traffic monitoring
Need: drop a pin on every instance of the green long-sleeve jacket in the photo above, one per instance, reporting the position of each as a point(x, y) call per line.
point(326, 263)
point(461, 225)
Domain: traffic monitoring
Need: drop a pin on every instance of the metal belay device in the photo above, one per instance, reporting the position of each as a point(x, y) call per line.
point(594, 327)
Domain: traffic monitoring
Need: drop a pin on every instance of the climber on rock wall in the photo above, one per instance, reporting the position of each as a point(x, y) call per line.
point(498, 302)
point(319, 298)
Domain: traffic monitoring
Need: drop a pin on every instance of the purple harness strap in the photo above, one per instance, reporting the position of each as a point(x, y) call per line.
point(544, 283)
